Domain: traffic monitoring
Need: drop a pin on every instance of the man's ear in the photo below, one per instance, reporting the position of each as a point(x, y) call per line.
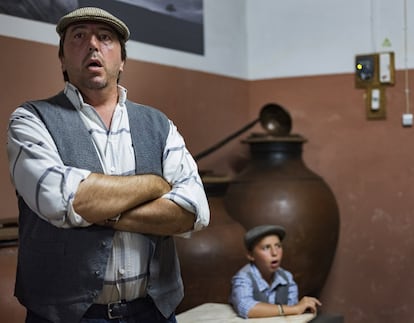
point(62, 64)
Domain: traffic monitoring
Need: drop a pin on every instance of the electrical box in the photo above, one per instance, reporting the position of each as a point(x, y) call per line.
point(386, 68)
point(366, 70)
point(374, 72)
point(374, 69)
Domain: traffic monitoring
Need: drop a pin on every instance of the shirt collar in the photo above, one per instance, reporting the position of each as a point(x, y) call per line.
point(262, 284)
point(75, 97)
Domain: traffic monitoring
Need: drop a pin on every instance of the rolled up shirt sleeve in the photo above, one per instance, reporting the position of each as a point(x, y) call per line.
point(242, 297)
point(181, 171)
point(38, 173)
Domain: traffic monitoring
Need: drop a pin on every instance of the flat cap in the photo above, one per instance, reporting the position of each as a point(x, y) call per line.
point(255, 234)
point(95, 15)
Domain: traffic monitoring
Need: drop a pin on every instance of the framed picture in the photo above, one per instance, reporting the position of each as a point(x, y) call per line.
point(174, 24)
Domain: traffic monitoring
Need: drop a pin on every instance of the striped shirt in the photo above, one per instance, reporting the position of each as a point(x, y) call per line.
point(48, 186)
point(242, 295)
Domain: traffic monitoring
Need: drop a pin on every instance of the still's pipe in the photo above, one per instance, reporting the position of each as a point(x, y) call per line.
point(273, 118)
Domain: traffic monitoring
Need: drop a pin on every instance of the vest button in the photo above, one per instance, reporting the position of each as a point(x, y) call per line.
point(97, 273)
point(103, 243)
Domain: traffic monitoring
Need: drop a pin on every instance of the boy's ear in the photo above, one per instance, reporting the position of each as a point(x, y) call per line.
point(249, 256)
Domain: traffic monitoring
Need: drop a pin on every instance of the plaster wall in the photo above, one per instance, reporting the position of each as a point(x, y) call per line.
point(368, 164)
point(254, 40)
point(256, 53)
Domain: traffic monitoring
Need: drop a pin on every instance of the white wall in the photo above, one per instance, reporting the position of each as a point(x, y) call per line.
point(259, 39)
point(299, 37)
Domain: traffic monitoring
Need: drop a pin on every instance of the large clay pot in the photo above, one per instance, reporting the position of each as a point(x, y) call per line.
point(212, 256)
point(276, 187)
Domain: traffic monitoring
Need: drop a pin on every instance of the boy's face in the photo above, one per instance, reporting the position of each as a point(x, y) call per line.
point(267, 255)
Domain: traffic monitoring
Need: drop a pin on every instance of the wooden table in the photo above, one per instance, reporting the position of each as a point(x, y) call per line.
point(224, 313)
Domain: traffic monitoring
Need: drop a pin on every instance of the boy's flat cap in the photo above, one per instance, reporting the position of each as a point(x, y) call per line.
point(258, 232)
point(95, 15)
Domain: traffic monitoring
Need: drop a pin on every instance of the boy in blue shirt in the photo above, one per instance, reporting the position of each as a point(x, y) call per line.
point(263, 288)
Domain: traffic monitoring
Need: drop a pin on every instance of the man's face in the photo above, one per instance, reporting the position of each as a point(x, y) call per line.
point(267, 255)
point(91, 55)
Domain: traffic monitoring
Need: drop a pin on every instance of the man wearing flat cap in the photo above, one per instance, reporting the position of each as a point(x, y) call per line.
point(103, 184)
point(263, 288)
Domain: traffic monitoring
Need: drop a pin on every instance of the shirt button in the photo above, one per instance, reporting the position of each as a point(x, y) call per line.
point(112, 169)
point(121, 271)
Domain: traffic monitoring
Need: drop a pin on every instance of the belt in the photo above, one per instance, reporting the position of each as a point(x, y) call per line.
point(119, 309)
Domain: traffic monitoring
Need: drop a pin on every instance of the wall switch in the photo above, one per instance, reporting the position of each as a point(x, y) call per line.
point(407, 119)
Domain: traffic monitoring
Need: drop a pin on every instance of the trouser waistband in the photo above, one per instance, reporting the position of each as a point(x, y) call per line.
point(118, 309)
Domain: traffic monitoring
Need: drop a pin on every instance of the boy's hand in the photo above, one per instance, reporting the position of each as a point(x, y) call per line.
point(308, 304)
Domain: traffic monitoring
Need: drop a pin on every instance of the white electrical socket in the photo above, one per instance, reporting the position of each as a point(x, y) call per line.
point(407, 119)
point(375, 99)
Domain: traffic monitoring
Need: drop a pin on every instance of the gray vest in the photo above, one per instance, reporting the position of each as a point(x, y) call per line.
point(282, 291)
point(61, 271)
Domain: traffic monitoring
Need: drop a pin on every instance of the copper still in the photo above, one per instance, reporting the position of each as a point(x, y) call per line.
point(277, 187)
point(212, 256)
